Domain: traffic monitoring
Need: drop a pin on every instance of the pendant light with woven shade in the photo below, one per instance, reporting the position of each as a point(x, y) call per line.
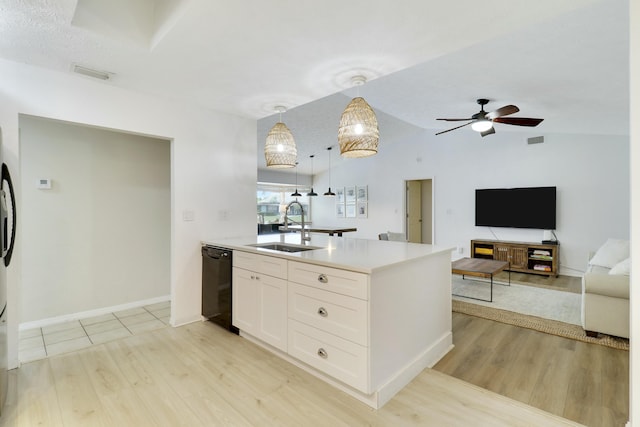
point(358, 133)
point(280, 148)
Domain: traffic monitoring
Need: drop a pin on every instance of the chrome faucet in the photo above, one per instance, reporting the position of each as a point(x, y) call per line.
point(303, 237)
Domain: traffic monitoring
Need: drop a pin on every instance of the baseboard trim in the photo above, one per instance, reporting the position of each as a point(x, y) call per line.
point(427, 359)
point(90, 313)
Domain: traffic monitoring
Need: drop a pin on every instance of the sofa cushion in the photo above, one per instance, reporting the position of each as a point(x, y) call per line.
point(622, 268)
point(616, 286)
point(611, 253)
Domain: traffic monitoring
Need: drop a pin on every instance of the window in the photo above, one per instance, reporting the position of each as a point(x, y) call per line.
point(272, 199)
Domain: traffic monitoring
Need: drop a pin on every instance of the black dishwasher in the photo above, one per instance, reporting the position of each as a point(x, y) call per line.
point(217, 285)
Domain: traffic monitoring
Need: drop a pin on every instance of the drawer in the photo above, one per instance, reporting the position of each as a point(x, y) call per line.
point(341, 359)
point(272, 266)
point(337, 314)
point(330, 279)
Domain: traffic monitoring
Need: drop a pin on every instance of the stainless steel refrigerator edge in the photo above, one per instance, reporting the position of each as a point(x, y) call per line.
point(7, 239)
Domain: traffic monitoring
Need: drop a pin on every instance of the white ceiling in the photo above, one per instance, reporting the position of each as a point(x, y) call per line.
point(564, 61)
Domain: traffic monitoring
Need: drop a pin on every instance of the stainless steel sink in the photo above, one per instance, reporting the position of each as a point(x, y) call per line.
point(284, 247)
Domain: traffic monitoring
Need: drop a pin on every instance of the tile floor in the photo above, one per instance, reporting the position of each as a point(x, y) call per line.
point(61, 338)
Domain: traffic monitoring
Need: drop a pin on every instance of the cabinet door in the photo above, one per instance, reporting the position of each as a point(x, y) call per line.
point(273, 311)
point(518, 257)
point(245, 303)
point(501, 253)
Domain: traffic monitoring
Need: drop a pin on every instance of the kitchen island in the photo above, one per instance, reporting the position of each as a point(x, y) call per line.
point(366, 316)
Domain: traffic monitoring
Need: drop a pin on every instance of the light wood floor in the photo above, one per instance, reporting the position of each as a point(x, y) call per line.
point(200, 375)
point(587, 383)
point(561, 283)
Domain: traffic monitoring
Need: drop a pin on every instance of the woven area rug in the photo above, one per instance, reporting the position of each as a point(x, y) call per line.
point(540, 324)
point(547, 303)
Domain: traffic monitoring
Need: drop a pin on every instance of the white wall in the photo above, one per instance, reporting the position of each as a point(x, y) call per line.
point(100, 237)
point(273, 176)
point(213, 159)
point(591, 173)
point(634, 356)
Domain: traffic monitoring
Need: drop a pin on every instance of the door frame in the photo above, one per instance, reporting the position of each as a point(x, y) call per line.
point(433, 206)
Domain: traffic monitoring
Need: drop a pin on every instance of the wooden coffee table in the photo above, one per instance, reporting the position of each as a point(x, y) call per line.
point(479, 267)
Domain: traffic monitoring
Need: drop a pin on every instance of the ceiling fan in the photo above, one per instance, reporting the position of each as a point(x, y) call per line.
point(482, 121)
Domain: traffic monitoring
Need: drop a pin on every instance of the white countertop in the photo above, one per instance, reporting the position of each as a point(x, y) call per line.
point(361, 255)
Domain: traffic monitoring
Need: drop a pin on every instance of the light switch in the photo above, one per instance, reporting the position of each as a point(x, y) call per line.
point(43, 184)
point(188, 215)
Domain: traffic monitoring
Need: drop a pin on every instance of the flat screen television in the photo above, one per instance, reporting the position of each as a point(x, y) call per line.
point(531, 207)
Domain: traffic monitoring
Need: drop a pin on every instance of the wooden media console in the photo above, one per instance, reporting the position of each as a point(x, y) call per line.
point(534, 258)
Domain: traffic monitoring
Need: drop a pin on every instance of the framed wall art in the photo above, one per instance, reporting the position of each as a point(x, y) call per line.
point(350, 210)
point(361, 209)
point(362, 194)
point(350, 194)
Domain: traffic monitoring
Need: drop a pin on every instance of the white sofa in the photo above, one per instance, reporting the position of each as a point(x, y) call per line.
point(605, 290)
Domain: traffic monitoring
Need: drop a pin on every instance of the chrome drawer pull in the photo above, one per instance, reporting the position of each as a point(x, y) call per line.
point(323, 312)
point(322, 353)
point(322, 278)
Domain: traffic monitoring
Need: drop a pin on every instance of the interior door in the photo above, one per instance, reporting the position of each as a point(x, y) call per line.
point(419, 211)
point(414, 211)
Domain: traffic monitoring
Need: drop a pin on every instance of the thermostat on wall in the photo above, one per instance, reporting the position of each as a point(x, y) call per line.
point(43, 184)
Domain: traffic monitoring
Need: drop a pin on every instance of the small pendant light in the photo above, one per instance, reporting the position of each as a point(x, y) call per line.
point(280, 148)
point(312, 193)
point(296, 194)
point(358, 133)
point(329, 192)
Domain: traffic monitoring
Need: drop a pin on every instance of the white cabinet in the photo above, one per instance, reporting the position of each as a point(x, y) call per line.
point(260, 297)
point(329, 321)
point(337, 314)
point(330, 279)
point(367, 332)
point(272, 320)
point(245, 301)
point(331, 354)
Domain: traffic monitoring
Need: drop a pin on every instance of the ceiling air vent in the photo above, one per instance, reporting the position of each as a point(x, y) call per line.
point(535, 140)
point(102, 75)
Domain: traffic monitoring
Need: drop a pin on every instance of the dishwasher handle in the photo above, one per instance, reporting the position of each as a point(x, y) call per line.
point(215, 253)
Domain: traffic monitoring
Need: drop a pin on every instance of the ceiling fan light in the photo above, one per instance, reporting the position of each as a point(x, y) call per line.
point(358, 133)
point(280, 148)
point(481, 125)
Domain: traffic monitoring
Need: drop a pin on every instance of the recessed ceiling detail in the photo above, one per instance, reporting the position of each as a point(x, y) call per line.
point(143, 22)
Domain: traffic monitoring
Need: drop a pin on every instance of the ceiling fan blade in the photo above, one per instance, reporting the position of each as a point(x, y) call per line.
point(504, 111)
point(518, 121)
point(457, 127)
point(456, 120)
point(488, 132)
